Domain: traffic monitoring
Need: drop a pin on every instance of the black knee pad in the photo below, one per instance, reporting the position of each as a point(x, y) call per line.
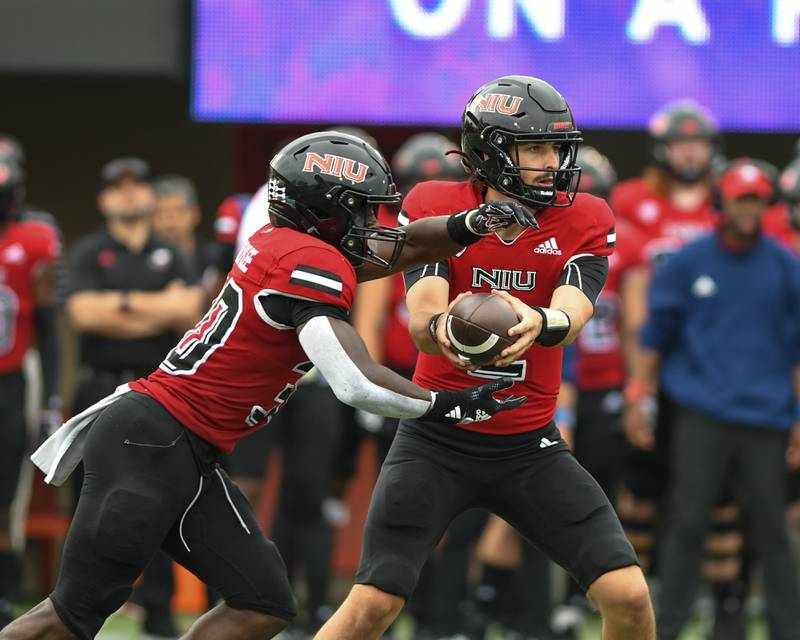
point(131, 528)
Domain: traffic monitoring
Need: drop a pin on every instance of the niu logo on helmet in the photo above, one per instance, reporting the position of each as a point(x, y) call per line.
point(338, 166)
point(498, 102)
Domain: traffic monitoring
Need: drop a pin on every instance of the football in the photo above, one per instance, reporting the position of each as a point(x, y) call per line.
point(478, 325)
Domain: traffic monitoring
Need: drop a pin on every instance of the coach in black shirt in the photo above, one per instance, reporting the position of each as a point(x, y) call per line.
point(129, 296)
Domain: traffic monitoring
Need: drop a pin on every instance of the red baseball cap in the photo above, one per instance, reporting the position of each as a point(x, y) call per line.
point(745, 179)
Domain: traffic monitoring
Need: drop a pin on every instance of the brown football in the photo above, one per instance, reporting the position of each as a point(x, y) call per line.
point(478, 325)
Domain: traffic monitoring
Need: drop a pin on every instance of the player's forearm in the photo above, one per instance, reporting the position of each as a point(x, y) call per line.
point(364, 384)
point(418, 327)
point(577, 307)
point(47, 342)
point(645, 368)
point(426, 240)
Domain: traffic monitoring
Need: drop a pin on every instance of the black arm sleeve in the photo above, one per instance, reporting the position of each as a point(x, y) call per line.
point(292, 312)
point(47, 338)
point(412, 276)
point(588, 273)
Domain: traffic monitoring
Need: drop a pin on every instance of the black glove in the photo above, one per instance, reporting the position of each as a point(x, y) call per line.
point(472, 405)
point(498, 214)
point(470, 226)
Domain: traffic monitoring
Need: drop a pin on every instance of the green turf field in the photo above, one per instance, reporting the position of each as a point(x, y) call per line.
point(122, 627)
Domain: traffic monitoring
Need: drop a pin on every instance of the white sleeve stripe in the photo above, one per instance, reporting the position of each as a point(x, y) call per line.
point(581, 255)
point(317, 279)
point(402, 219)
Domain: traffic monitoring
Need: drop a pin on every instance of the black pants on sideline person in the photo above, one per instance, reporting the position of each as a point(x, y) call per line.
point(704, 453)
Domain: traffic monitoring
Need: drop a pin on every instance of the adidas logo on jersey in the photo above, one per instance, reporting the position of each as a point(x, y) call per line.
point(549, 247)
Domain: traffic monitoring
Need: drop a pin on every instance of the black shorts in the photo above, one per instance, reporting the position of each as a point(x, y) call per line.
point(13, 435)
point(434, 472)
point(150, 483)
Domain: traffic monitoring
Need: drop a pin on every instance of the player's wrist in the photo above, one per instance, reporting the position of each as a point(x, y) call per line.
point(433, 326)
point(459, 229)
point(636, 391)
point(555, 326)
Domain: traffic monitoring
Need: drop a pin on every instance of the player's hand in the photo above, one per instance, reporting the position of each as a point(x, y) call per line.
point(528, 329)
point(489, 217)
point(474, 404)
point(444, 344)
point(638, 420)
point(793, 448)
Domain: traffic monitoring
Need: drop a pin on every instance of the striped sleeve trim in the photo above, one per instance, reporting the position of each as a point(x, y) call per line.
point(314, 278)
point(611, 238)
point(402, 218)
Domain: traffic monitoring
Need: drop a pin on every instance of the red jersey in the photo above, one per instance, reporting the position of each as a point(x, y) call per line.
point(399, 350)
point(24, 247)
point(529, 268)
point(776, 224)
point(229, 217)
point(229, 375)
point(664, 227)
point(599, 361)
point(656, 216)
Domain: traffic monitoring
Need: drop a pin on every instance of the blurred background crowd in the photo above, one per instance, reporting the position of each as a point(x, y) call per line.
point(120, 217)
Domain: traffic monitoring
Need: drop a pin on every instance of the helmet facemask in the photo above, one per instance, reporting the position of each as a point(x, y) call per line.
point(508, 178)
point(348, 220)
point(366, 241)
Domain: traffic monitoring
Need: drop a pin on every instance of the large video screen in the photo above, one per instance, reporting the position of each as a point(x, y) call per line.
point(417, 62)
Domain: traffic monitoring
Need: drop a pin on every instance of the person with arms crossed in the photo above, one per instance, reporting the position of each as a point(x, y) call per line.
point(519, 141)
point(150, 455)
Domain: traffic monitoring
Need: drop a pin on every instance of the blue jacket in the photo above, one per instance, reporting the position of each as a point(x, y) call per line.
point(727, 325)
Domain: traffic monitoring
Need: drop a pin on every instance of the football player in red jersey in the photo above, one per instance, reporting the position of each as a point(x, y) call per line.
point(670, 205)
point(28, 250)
point(151, 478)
point(519, 140)
point(674, 197)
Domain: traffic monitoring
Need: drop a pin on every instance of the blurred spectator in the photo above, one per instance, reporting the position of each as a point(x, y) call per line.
point(226, 228)
point(128, 297)
point(783, 221)
point(28, 250)
point(176, 219)
point(672, 203)
point(737, 407)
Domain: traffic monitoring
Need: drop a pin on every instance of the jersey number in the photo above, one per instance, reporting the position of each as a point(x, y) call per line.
point(259, 414)
point(516, 371)
point(208, 335)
